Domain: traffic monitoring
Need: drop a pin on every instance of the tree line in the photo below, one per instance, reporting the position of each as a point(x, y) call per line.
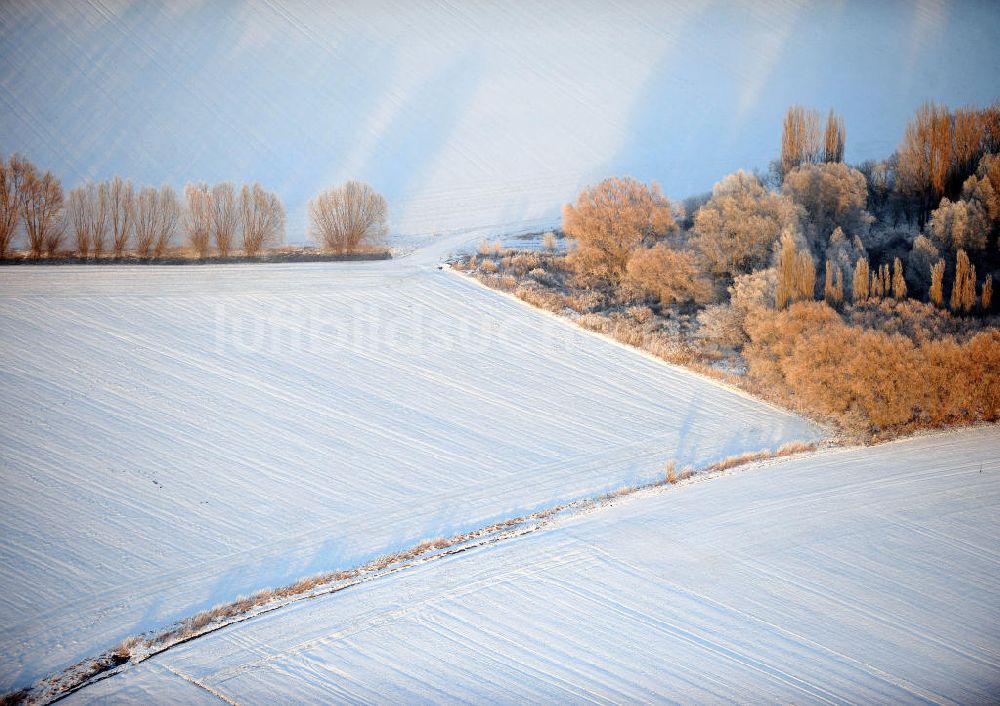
point(115, 218)
point(813, 213)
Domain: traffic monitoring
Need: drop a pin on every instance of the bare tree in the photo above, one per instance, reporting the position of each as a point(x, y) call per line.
point(146, 218)
point(833, 138)
point(99, 197)
point(11, 180)
point(198, 217)
point(79, 213)
point(262, 218)
point(169, 214)
point(42, 210)
point(225, 216)
point(346, 218)
point(121, 210)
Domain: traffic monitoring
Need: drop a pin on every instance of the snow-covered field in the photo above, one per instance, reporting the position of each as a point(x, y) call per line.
point(468, 114)
point(853, 576)
point(176, 436)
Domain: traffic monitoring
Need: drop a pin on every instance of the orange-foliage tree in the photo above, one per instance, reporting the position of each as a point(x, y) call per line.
point(610, 220)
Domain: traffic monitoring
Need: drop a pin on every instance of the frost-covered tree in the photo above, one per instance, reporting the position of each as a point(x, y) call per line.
point(963, 290)
point(959, 225)
point(796, 273)
point(833, 287)
point(834, 138)
point(919, 261)
point(800, 138)
point(610, 220)
point(861, 289)
point(936, 292)
point(832, 196)
point(739, 226)
point(898, 280)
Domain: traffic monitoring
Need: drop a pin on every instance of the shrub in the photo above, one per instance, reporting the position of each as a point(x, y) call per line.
point(869, 378)
point(720, 325)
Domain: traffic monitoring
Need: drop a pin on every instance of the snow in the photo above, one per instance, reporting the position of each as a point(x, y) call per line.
point(174, 437)
point(468, 114)
point(866, 575)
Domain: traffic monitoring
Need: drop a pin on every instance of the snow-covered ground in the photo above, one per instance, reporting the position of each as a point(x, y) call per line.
point(853, 576)
point(176, 436)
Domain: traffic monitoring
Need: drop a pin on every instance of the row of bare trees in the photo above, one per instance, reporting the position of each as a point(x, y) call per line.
point(114, 217)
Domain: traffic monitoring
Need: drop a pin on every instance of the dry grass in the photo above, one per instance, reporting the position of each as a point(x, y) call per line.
point(506, 282)
point(594, 322)
point(794, 447)
point(740, 459)
point(488, 266)
point(541, 298)
point(549, 241)
point(670, 472)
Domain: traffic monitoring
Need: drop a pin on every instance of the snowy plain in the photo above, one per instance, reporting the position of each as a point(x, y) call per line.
point(177, 436)
point(865, 575)
point(468, 114)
